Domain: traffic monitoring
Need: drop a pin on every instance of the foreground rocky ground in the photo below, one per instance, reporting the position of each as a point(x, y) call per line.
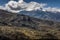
point(23, 33)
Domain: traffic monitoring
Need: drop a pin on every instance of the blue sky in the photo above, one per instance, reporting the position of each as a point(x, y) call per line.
point(51, 3)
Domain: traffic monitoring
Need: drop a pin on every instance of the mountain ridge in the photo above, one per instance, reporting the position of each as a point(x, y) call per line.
point(15, 19)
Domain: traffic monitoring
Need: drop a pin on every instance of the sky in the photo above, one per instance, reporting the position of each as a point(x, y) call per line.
point(51, 3)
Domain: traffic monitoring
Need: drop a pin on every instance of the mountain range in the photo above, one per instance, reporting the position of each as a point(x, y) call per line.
point(43, 24)
point(27, 18)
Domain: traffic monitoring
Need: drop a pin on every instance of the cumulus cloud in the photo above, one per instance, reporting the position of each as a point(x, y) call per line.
point(34, 6)
point(16, 7)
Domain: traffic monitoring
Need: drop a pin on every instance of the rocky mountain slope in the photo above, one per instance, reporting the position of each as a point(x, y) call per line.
point(43, 15)
point(13, 21)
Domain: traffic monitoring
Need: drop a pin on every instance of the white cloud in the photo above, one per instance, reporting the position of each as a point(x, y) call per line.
point(34, 6)
point(16, 7)
point(50, 9)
